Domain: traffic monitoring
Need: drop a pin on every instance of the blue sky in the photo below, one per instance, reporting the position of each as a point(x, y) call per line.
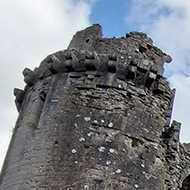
point(111, 15)
point(30, 30)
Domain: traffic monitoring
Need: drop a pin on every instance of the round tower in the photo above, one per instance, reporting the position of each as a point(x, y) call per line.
point(95, 116)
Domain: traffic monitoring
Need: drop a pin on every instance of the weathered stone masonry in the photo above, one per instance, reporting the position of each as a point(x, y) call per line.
point(97, 116)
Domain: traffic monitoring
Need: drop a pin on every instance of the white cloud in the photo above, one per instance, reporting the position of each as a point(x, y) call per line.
point(182, 103)
point(167, 23)
point(30, 30)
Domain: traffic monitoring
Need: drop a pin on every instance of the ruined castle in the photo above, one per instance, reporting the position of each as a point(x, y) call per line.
point(97, 116)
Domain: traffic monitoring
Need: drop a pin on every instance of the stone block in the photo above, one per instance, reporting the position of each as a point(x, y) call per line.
point(18, 105)
point(107, 80)
point(68, 65)
point(135, 61)
point(77, 61)
point(90, 65)
point(97, 61)
point(159, 65)
point(19, 97)
point(19, 94)
point(103, 62)
point(153, 68)
point(150, 79)
point(29, 77)
point(89, 55)
point(131, 73)
point(55, 65)
point(143, 48)
point(68, 55)
point(121, 68)
point(92, 62)
point(167, 58)
point(113, 57)
point(144, 65)
point(159, 88)
point(112, 66)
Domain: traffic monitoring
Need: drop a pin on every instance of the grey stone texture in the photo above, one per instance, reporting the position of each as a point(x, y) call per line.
point(97, 116)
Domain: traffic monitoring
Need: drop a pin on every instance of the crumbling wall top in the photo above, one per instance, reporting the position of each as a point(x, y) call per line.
point(94, 31)
point(135, 44)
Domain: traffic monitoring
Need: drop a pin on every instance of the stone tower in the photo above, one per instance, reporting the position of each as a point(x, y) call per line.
point(97, 116)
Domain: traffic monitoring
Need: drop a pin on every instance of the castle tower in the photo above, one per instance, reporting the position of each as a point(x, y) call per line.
point(97, 116)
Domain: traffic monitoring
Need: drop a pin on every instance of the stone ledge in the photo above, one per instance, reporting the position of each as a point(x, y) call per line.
point(125, 67)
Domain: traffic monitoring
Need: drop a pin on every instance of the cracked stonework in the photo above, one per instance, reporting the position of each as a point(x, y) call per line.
point(97, 116)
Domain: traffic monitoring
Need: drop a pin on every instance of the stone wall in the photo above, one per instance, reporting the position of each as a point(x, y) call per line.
point(97, 116)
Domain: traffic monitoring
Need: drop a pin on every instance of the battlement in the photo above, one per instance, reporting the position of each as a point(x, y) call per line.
point(130, 58)
point(143, 72)
point(126, 56)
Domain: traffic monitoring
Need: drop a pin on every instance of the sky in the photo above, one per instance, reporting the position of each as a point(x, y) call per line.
point(30, 30)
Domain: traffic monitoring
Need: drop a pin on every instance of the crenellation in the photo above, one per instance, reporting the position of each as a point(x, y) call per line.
point(29, 77)
point(54, 64)
point(19, 97)
point(121, 66)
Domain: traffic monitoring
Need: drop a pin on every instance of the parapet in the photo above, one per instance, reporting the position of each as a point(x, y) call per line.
point(132, 57)
point(127, 56)
point(135, 44)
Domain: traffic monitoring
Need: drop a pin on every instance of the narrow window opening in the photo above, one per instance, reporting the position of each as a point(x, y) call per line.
point(90, 67)
point(70, 69)
point(87, 40)
point(111, 69)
